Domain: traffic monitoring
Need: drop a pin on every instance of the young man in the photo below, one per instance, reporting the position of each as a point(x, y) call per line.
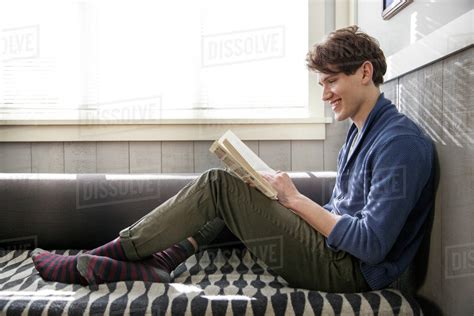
point(362, 239)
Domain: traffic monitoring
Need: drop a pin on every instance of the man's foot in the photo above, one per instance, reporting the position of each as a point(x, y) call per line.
point(97, 270)
point(57, 268)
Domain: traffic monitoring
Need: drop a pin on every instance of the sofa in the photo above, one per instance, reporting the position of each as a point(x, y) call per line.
point(68, 213)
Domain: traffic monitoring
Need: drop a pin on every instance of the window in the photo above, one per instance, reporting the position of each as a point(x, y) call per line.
point(131, 60)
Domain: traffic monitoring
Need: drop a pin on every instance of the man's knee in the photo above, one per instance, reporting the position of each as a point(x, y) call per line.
point(216, 174)
point(222, 178)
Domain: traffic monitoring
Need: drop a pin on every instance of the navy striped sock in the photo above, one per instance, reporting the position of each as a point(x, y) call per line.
point(111, 249)
point(170, 258)
point(97, 270)
point(156, 268)
point(59, 268)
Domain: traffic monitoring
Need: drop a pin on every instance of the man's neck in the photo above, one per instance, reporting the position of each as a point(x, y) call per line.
point(367, 106)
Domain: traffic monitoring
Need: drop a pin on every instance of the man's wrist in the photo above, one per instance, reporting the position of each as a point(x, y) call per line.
point(297, 201)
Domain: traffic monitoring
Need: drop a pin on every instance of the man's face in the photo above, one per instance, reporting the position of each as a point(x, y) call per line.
point(343, 93)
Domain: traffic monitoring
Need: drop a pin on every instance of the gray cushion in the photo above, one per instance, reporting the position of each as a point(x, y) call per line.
point(82, 211)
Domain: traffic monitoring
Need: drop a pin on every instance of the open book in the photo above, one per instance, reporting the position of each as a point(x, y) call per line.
point(243, 162)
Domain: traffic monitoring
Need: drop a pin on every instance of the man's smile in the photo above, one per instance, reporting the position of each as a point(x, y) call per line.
point(335, 103)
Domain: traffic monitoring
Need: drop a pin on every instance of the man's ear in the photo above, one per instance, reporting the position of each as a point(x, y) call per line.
point(367, 72)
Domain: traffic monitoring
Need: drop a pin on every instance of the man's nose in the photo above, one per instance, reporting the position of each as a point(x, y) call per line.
point(327, 94)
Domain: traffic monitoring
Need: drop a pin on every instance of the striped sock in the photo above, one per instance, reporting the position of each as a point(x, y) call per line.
point(156, 268)
point(59, 268)
point(112, 249)
point(170, 258)
point(97, 270)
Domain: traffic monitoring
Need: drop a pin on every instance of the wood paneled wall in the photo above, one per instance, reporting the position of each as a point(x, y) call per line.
point(164, 157)
point(440, 97)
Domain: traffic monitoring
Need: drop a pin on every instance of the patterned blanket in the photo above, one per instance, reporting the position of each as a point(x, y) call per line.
point(216, 281)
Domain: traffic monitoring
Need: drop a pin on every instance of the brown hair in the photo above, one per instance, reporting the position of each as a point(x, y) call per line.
point(345, 50)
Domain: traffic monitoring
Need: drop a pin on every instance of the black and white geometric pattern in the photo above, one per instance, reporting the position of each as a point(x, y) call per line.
point(213, 282)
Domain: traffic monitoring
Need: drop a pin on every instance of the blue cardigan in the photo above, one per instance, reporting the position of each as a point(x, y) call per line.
point(384, 193)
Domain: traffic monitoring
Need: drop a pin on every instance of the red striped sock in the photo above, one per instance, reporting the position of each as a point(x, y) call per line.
point(59, 268)
point(97, 270)
point(111, 249)
point(170, 258)
point(156, 268)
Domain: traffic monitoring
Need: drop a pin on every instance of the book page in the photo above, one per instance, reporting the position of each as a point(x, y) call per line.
point(253, 160)
point(240, 161)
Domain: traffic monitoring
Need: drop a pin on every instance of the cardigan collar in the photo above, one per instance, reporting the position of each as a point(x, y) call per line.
point(381, 105)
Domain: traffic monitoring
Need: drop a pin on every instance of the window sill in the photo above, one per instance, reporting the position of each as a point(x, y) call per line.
point(51, 130)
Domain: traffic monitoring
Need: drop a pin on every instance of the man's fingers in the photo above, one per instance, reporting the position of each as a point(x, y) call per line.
point(249, 183)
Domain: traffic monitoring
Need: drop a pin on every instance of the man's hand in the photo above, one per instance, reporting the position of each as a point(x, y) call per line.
point(311, 212)
point(284, 186)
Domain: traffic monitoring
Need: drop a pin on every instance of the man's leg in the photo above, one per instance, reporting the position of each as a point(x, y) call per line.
point(59, 268)
point(266, 227)
point(156, 268)
point(55, 267)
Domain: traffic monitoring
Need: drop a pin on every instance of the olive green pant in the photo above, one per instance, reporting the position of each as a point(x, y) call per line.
point(276, 235)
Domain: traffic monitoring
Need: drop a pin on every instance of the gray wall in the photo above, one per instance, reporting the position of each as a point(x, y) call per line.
point(440, 98)
point(163, 157)
point(414, 22)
